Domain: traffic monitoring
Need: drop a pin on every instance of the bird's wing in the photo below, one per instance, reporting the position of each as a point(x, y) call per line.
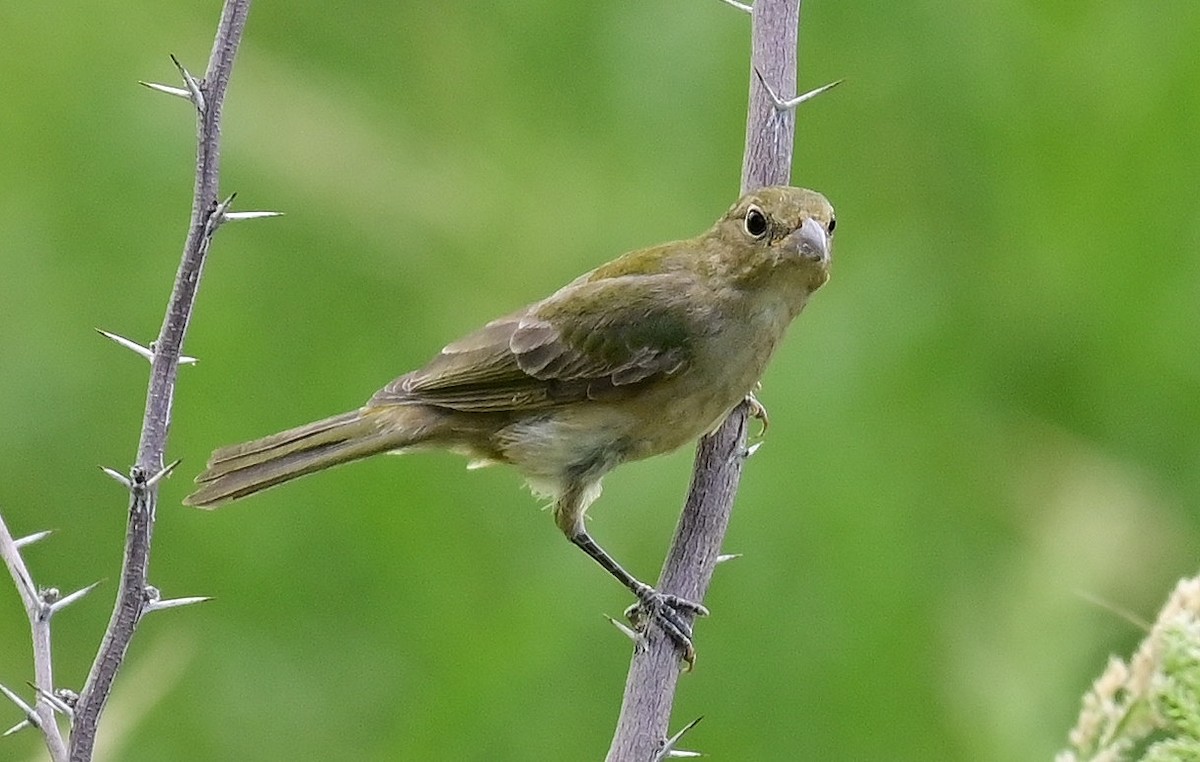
point(593, 339)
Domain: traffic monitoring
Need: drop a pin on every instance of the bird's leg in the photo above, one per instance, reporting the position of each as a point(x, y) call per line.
point(671, 612)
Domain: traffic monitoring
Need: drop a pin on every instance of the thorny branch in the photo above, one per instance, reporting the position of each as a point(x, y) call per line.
point(41, 715)
point(135, 597)
point(641, 732)
point(207, 96)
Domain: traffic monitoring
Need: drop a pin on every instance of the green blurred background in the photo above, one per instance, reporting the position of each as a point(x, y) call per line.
point(985, 429)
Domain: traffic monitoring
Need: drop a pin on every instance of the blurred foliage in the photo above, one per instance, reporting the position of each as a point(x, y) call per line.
point(988, 421)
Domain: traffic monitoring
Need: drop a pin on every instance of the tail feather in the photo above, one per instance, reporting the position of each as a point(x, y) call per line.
point(278, 444)
point(240, 470)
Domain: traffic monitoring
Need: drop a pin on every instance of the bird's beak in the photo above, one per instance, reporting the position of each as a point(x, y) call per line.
point(811, 241)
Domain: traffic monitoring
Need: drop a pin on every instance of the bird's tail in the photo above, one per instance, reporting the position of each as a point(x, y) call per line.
point(240, 470)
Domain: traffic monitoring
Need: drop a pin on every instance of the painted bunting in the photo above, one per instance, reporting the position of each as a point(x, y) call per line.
point(633, 359)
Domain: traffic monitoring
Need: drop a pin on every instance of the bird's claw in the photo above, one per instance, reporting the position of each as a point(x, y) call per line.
point(758, 412)
point(670, 612)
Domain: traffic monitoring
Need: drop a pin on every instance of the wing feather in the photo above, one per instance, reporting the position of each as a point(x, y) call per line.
point(593, 339)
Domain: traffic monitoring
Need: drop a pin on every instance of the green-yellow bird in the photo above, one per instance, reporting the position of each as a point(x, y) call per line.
point(633, 359)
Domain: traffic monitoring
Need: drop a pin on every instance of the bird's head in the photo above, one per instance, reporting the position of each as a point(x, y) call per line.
point(778, 236)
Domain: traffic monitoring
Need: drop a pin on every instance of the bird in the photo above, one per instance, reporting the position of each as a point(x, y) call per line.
point(635, 358)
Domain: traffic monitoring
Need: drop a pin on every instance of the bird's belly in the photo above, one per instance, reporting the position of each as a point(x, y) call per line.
point(583, 441)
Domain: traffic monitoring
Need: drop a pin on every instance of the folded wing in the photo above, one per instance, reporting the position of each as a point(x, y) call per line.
point(593, 339)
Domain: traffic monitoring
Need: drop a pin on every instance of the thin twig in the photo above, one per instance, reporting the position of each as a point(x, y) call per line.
point(39, 623)
point(207, 97)
point(654, 671)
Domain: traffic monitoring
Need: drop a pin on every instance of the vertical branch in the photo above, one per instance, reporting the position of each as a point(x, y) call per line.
point(654, 670)
point(207, 214)
point(770, 130)
point(39, 623)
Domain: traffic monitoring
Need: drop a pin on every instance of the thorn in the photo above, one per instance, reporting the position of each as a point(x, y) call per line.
point(165, 472)
point(132, 346)
point(30, 716)
point(117, 476)
point(791, 104)
point(178, 92)
point(58, 605)
point(146, 352)
point(728, 557)
point(751, 449)
point(223, 206)
point(16, 728)
point(53, 700)
point(669, 751)
point(21, 542)
point(194, 91)
point(172, 603)
point(235, 216)
point(740, 6)
point(627, 631)
point(220, 214)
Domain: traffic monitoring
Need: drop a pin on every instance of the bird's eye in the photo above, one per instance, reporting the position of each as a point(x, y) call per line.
point(832, 225)
point(756, 222)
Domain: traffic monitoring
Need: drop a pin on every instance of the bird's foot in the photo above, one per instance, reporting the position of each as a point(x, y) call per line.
point(670, 612)
point(758, 412)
